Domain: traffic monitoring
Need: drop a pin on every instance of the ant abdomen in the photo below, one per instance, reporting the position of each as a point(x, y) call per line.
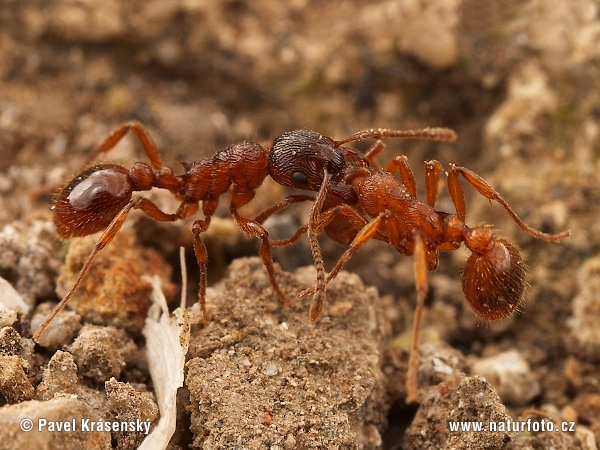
point(494, 280)
point(91, 201)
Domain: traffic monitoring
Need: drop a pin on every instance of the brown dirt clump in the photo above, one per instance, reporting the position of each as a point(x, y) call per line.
point(113, 291)
point(261, 375)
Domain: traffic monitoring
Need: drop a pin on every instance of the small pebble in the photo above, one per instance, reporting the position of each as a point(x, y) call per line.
point(511, 375)
point(270, 370)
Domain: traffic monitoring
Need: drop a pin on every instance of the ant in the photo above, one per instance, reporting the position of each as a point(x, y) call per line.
point(101, 197)
point(357, 201)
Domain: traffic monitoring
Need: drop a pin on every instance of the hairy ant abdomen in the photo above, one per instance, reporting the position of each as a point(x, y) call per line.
point(494, 281)
point(90, 201)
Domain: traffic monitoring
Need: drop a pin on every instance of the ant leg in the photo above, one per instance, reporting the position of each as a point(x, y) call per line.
point(313, 230)
point(457, 195)
point(364, 235)
point(260, 218)
point(420, 256)
point(143, 136)
point(141, 203)
point(432, 174)
point(239, 197)
point(324, 219)
point(373, 152)
point(400, 163)
point(278, 243)
point(434, 134)
point(199, 227)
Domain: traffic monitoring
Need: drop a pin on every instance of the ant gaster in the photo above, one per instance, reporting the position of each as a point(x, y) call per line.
point(357, 201)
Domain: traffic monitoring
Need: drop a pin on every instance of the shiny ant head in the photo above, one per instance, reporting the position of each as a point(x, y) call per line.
point(298, 159)
point(92, 200)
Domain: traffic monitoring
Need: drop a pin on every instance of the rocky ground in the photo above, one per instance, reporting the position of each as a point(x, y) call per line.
point(516, 81)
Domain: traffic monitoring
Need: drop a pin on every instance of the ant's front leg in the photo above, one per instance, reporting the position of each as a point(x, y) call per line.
point(350, 215)
point(240, 197)
point(290, 200)
point(143, 136)
point(315, 248)
point(316, 223)
point(199, 227)
point(263, 216)
point(366, 231)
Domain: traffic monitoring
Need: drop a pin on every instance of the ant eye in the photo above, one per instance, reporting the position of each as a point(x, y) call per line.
point(299, 178)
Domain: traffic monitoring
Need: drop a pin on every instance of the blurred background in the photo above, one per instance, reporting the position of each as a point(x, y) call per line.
point(517, 80)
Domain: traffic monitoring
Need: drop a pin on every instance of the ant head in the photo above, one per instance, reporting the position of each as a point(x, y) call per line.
point(92, 200)
point(298, 159)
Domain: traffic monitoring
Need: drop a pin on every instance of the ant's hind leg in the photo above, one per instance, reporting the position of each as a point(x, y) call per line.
point(143, 136)
point(420, 256)
point(457, 195)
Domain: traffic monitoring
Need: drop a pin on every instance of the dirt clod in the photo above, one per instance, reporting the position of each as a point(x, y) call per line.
point(125, 403)
point(15, 387)
point(511, 375)
point(61, 331)
point(102, 352)
point(30, 258)
point(460, 399)
point(282, 380)
point(113, 291)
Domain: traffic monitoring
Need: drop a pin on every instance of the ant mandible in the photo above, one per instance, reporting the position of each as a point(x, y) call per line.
point(358, 202)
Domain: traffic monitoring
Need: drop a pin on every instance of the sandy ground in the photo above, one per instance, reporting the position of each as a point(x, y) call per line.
point(516, 80)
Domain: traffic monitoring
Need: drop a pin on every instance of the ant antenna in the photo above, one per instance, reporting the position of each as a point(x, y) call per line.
point(433, 134)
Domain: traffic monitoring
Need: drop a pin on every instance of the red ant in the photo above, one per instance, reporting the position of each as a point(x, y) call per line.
point(101, 197)
point(351, 190)
point(356, 202)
